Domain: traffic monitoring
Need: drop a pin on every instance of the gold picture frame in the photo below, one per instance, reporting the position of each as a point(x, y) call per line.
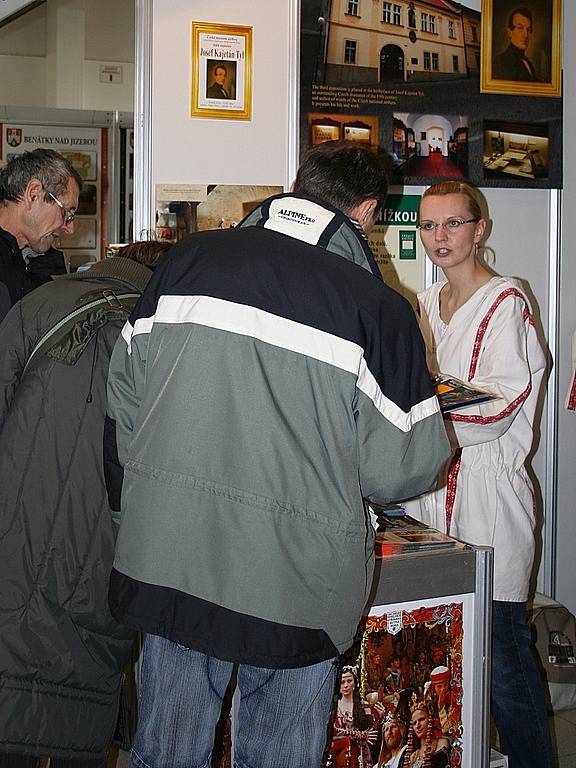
point(503, 72)
point(221, 71)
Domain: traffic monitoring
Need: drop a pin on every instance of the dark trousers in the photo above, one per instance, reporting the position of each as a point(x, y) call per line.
point(518, 704)
point(23, 761)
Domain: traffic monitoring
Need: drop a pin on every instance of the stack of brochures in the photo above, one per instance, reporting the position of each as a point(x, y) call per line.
point(398, 533)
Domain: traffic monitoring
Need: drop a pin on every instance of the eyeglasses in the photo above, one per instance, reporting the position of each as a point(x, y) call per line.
point(450, 226)
point(67, 214)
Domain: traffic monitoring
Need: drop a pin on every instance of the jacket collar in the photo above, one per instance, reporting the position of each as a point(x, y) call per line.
point(125, 271)
point(316, 222)
point(12, 243)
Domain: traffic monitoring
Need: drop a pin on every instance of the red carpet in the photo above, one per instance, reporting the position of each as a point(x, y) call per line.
point(434, 166)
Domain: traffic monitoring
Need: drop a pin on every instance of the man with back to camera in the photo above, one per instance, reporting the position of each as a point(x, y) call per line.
point(265, 383)
point(38, 199)
point(61, 652)
point(513, 64)
point(217, 90)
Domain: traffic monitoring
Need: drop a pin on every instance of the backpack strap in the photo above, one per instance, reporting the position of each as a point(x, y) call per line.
point(117, 302)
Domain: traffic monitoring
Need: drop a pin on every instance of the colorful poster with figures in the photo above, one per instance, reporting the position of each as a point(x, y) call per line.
point(83, 148)
point(404, 693)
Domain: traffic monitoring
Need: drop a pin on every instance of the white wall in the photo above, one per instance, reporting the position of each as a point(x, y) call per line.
point(198, 150)
point(51, 56)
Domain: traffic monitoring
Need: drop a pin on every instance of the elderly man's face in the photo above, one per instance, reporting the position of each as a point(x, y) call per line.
point(521, 31)
point(393, 735)
point(46, 220)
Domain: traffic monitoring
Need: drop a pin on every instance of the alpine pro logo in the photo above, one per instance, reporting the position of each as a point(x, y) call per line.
point(299, 218)
point(296, 216)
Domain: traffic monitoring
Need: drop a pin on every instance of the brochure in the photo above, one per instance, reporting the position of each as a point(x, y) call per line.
point(415, 537)
point(390, 510)
point(453, 393)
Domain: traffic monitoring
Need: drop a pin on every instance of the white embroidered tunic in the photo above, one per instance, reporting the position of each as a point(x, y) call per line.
point(485, 496)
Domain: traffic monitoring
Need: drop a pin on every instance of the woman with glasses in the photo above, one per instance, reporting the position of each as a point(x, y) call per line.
point(479, 328)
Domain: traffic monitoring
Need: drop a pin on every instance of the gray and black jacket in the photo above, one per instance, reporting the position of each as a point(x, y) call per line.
point(61, 652)
point(266, 381)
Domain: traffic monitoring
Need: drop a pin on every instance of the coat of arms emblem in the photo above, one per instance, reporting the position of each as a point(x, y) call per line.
point(14, 136)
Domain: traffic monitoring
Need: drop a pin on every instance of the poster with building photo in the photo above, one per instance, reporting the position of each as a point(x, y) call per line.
point(411, 72)
point(185, 208)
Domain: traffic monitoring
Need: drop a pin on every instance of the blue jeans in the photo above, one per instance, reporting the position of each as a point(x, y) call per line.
point(282, 719)
point(518, 704)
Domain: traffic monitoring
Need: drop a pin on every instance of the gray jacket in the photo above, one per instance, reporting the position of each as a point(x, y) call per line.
point(266, 381)
point(61, 652)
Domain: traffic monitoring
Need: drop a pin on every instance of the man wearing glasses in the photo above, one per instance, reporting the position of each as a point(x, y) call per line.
point(38, 199)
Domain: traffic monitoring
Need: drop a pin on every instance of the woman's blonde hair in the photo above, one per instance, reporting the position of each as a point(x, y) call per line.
point(457, 188)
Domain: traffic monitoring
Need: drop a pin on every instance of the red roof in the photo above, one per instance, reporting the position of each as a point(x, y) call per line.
point(442, 5)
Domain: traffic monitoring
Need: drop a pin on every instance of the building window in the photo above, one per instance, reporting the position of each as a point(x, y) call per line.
point(451, 30)
point(427, 64)
point(392, 13)
point(455, 64)
point(435, 62)
point(350, 51)
point(474, 33)
point(428, 22)
point(413, 60)
point(353, 7)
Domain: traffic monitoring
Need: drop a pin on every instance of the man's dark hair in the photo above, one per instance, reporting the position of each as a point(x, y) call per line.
point(523, 11)
point(51, 169)
point(220, 66)
point(344, 174)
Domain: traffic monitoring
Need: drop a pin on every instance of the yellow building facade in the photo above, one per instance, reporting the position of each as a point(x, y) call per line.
point(375, 40)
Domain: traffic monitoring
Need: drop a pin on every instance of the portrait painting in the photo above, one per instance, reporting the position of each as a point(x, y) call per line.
point(521, 47)
point(221, 71)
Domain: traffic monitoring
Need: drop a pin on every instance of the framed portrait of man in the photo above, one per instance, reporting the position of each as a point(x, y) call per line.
point(221, 71)
point(521, 47)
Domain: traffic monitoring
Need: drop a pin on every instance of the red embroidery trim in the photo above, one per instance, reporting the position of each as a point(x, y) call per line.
point(476, 356)
point(491, 419)
point(572, 397)
point(451, 484)
point(486, 319)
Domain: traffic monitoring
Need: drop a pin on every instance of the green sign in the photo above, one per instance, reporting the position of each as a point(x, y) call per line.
point(407, 239)
point(400, 210)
